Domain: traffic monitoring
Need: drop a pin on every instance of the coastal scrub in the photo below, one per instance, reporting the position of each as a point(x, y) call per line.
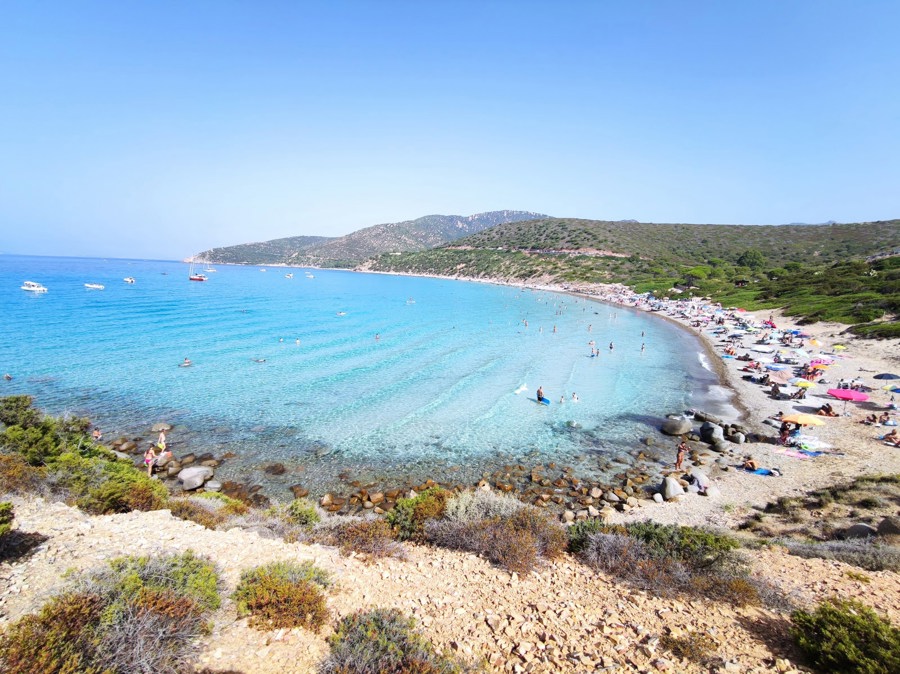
point(283, 594)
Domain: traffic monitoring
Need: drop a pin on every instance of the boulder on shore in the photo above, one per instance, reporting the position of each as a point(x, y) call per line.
point(671, 488)
point(710, 432)
point(676, 426)
point(193, 477)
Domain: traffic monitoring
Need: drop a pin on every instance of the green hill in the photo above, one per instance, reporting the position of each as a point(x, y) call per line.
point(347, 251)
point(275, 251)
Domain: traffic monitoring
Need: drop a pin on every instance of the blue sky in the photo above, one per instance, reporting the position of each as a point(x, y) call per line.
point(160, 128)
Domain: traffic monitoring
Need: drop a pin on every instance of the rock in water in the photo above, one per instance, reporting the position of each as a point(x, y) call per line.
point(676, 426)
point(161, 426)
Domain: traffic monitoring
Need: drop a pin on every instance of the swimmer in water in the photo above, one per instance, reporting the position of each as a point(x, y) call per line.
point(186, 363)
point(574, 397)
point(377, 337)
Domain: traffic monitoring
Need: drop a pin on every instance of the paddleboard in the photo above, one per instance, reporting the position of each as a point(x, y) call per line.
point(545, 401)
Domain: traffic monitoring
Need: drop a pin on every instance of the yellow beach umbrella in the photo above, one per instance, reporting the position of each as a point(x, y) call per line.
point(838, 347)
point(805, 384)
point(803, 419)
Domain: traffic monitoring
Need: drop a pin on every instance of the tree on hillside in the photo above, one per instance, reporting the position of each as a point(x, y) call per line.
point(752, 258)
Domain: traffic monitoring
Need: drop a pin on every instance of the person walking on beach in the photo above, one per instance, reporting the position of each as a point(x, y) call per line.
point(679, 457)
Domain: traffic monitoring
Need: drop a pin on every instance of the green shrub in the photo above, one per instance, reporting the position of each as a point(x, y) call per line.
point(303, 513)
point(410, 514)
point(847, 636)
point(100, 486)
point(6, 520)
point(383, 641)
point(18, 411)
point(283, 594)
point(580, 532)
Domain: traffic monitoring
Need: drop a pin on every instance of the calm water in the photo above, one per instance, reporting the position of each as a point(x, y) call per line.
point(435, 392)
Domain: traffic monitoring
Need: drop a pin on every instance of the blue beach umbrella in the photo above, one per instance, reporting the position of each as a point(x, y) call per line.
point(887, 375)
point(776, 366)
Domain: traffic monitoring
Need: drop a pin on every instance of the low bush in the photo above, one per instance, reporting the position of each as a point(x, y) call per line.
point(139, 614)
point(697, 647)
point(223, 503)
point(869, 555)
point(6, 520)
point(383, 641)
point(61, 639)
point(408, 517)
point(372, 537)
point(188, 509)
point(303, 513)
point(283, 594)
point(516, 542)
point(477, 505)
point(848, 637)
point(580, 531)
point(17, 476)
point(670, 560)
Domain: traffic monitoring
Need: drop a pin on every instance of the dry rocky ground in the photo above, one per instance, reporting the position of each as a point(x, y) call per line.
point(564, 618)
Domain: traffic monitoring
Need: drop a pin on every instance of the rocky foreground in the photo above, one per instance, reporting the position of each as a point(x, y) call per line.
point(564, 618)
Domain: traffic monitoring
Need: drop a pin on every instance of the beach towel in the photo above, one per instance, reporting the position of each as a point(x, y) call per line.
point(765, 471)
point(795, 453)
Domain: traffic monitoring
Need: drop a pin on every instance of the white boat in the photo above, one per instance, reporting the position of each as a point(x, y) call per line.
point(31, 286)
point(128, 279)
point(308, 275)
point(195, 277)
point(210, 270)
point(289, 276)
point(94, 286)
point(410, 301)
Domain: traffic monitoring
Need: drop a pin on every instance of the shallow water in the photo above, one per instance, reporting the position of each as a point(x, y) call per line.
point(436, 392)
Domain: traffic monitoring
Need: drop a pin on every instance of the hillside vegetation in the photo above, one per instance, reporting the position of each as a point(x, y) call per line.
point(839, 272)
point(275, 251)
point(347, 251)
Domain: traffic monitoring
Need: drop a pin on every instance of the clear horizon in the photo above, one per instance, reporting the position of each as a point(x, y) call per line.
point(157, 130)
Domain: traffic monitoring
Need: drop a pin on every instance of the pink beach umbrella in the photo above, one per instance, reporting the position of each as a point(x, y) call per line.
point(847, 394)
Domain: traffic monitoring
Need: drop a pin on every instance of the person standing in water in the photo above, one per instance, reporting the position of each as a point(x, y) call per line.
point(540, 394)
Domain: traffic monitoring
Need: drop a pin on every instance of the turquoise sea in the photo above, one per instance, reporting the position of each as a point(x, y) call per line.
point(290, 370)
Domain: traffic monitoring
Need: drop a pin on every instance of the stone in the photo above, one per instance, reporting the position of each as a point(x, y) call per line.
point(611, 497)
point(596, 492)
point(123, 455)
point(213, 485)
point(710, 432)
point(161, 426)
point(658, 497)
point(889, 526)
point(859, 530)
point(700, 478)
point(298, 491)
point(676, 426)
point(275, 469)
point(671, 488)
point(128, 446)
point(739, 438)
point(568, 516)
point(712, 491)
point(193, 477)
point(706, 417)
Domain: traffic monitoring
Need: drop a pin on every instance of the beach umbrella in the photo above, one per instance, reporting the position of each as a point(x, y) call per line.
point(781, 377)
point(838, 347)
point(803, 383)
point(815, 342)
point(847, 394)
point(820, 366)
point(887, 375)
point(803, 419)
point(776, 367)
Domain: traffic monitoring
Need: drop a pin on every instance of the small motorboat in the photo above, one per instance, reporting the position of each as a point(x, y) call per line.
point(128, 279)
point(197, 277)
point(94, 286)
point(289, 276)
point(32, 286)
point(308, 275)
